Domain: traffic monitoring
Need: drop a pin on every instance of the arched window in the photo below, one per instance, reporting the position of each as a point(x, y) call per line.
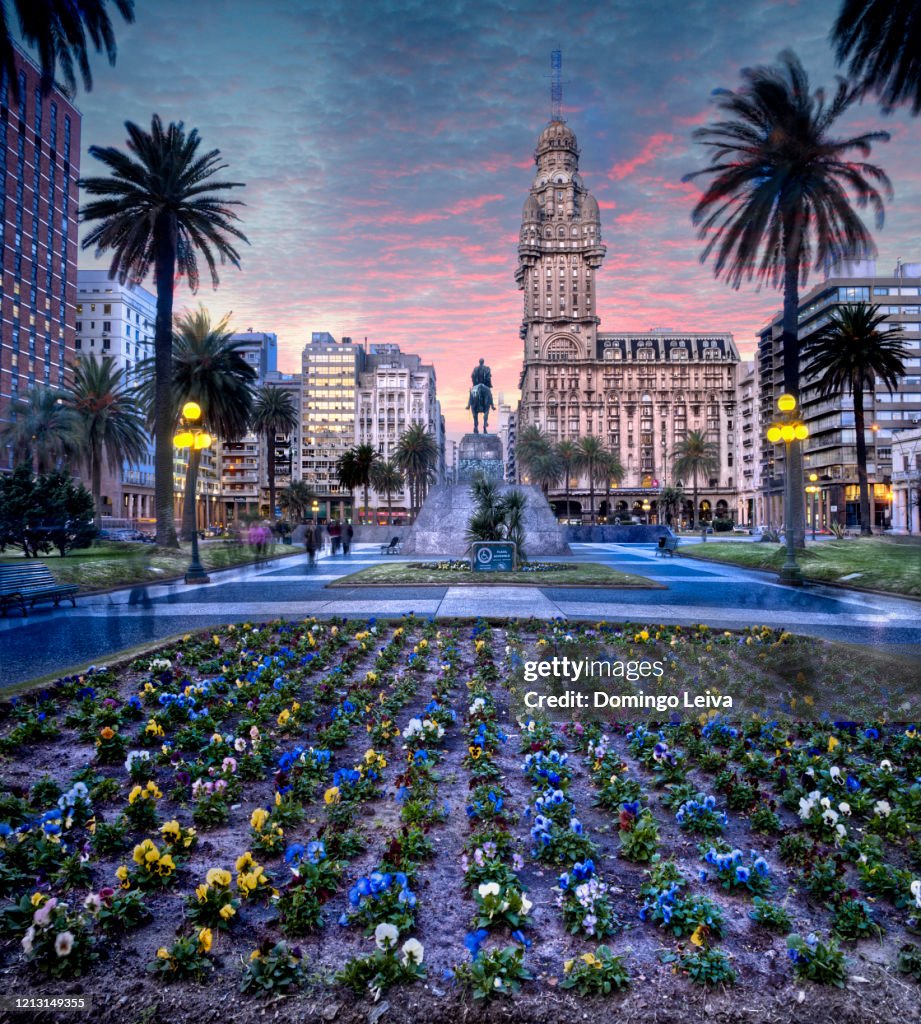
point(561, 350)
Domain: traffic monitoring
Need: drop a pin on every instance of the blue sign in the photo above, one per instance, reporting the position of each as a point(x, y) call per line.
point(493, 556)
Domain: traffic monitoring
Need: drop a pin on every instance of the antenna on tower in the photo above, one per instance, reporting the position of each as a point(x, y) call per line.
point(556, 86)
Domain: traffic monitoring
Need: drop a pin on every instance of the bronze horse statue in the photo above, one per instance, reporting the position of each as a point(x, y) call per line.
point(480, 401)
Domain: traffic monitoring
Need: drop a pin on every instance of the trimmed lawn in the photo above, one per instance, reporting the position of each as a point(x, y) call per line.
point(568, 574)
point(109, 565)
point(876, 563)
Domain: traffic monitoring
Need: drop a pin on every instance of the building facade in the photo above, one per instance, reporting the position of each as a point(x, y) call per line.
point(329, 376)
point(39, 168)
point(750, 506)
point(396, 390)
point(638, 393)
point(117, 320)
point(906, 480)
point(831, 449)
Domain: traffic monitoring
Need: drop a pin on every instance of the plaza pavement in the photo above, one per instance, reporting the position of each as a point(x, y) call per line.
point(726, 597)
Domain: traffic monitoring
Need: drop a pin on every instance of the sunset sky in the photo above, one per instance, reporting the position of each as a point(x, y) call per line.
point(387, 149)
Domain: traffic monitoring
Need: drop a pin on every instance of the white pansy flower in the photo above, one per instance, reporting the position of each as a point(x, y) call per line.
point(64, 943)
point(883, 808)
point(488, 889)
point(386, 935)
point(413, 951)
point(915, 890)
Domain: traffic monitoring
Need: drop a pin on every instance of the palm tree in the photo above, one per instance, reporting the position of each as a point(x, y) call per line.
point(591, 457)
point(207, 368)
point(386, 478)
point(354, 469)
point(568, 452)
point(297, 498)
point(611, 468)
point(848, 355)
point(545, 469)
point(44, 429)
point(416, 455)
point(671, 500)
point(531, 443)
point(780, 200)
point(57, 29)
point(273, 413)
point(695, 454)
point(161, 209)
point(882, 41)
point(110, 423)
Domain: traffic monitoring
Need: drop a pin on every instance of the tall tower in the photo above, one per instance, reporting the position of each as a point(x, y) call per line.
point(559, 250)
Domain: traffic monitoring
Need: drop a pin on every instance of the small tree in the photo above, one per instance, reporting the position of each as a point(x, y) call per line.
point(38, 514)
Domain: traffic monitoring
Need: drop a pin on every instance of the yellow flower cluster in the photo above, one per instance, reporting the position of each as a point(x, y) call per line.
point(588, 958)
point(153, 728)
point(371, 761)
point(177, 836)
point(251, 877)
point(148, 792)
point(148, 858)
point(258, 818)
point(332, 795)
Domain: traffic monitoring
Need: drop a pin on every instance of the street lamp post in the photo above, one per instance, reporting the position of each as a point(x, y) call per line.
point(193, 437)
point(813, 490)
point(646, 509)
point(788, 431)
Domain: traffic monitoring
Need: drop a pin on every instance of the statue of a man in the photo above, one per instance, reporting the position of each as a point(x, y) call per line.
point(482, 375)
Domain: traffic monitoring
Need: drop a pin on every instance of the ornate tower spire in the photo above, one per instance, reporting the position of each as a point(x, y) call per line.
point(556, 86)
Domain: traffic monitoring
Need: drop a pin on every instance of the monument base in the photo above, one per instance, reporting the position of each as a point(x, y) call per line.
point(441, 526)
point(480, 455)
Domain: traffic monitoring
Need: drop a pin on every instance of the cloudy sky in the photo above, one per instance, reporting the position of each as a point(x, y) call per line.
point(387, 149)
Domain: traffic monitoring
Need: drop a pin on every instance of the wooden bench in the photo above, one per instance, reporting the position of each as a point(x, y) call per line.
point(393, 548)
point(26, 584)
point(667, 546)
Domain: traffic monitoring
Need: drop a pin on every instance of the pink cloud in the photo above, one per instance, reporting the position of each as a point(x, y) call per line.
point(652, 148)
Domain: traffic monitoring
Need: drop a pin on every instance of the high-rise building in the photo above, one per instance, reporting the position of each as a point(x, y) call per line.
point(395, 391)
point(39, 168)
point(241, 479)
point(117, 320)
point(830, 452)
point(638, 393)
point(750, 510)
point(329, 372)
point(505, 428)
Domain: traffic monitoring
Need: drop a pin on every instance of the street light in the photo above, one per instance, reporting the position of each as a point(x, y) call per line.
point(646, 509)
point(788, 431)
point(813, 490)
point(193, 437)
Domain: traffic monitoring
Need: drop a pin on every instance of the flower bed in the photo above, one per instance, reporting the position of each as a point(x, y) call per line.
point(338, 812)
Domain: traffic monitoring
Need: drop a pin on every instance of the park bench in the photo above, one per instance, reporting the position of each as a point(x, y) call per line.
point(667, 546)
point(393, 548)
point(22, 584)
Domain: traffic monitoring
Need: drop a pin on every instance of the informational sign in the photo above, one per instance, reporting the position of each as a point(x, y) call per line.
point(493, 556)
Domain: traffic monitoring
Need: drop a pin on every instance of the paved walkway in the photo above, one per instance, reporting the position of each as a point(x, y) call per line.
point(722, 596)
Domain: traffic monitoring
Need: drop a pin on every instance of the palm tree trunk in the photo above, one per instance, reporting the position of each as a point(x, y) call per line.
point(566, 471)
point(270, 465)
point(795, 515)
point(694, 508)
point(366, 500)
point(189, 525)
point(389, 509)
point(96, 484)
point(164, 269)
point(865, 515)
point(591, 489)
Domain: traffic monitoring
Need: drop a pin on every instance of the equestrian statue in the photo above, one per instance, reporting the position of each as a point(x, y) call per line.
point(480, 400)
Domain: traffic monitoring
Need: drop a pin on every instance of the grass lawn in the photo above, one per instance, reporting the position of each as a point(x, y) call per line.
point(876, 563)
point(568, 574)
point(113, 564)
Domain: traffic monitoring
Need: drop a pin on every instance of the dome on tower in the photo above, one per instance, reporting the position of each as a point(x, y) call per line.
point(557, 137)
point(590, 209)
point(531, 210)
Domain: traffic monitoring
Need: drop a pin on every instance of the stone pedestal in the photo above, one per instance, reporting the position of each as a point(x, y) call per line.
point(480, 455)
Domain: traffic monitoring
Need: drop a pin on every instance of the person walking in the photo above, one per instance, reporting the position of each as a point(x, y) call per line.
point(310, 545)
point(317, 539)
point(347, 534)
point(335, 537)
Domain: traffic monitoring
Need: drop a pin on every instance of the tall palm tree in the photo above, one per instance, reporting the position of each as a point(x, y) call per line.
point(416, 456)
point(671, 500)
point(694, 455)
point(545, 469)
point(881, 40)
point(273, 413)
point(57, 29)
point(207, 368)
point(111, 425)
point(591, 457)
point(531, 443)
point(611, 468)
point(568, 452)
point(161, 208)
point(354, 469)
point(386, 478)
point(848, 355)
point(44, 429)
point(297, 498)
point(781, 199)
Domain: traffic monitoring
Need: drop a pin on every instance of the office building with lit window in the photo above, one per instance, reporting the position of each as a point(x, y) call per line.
point(831, 449)
point(39, 168)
